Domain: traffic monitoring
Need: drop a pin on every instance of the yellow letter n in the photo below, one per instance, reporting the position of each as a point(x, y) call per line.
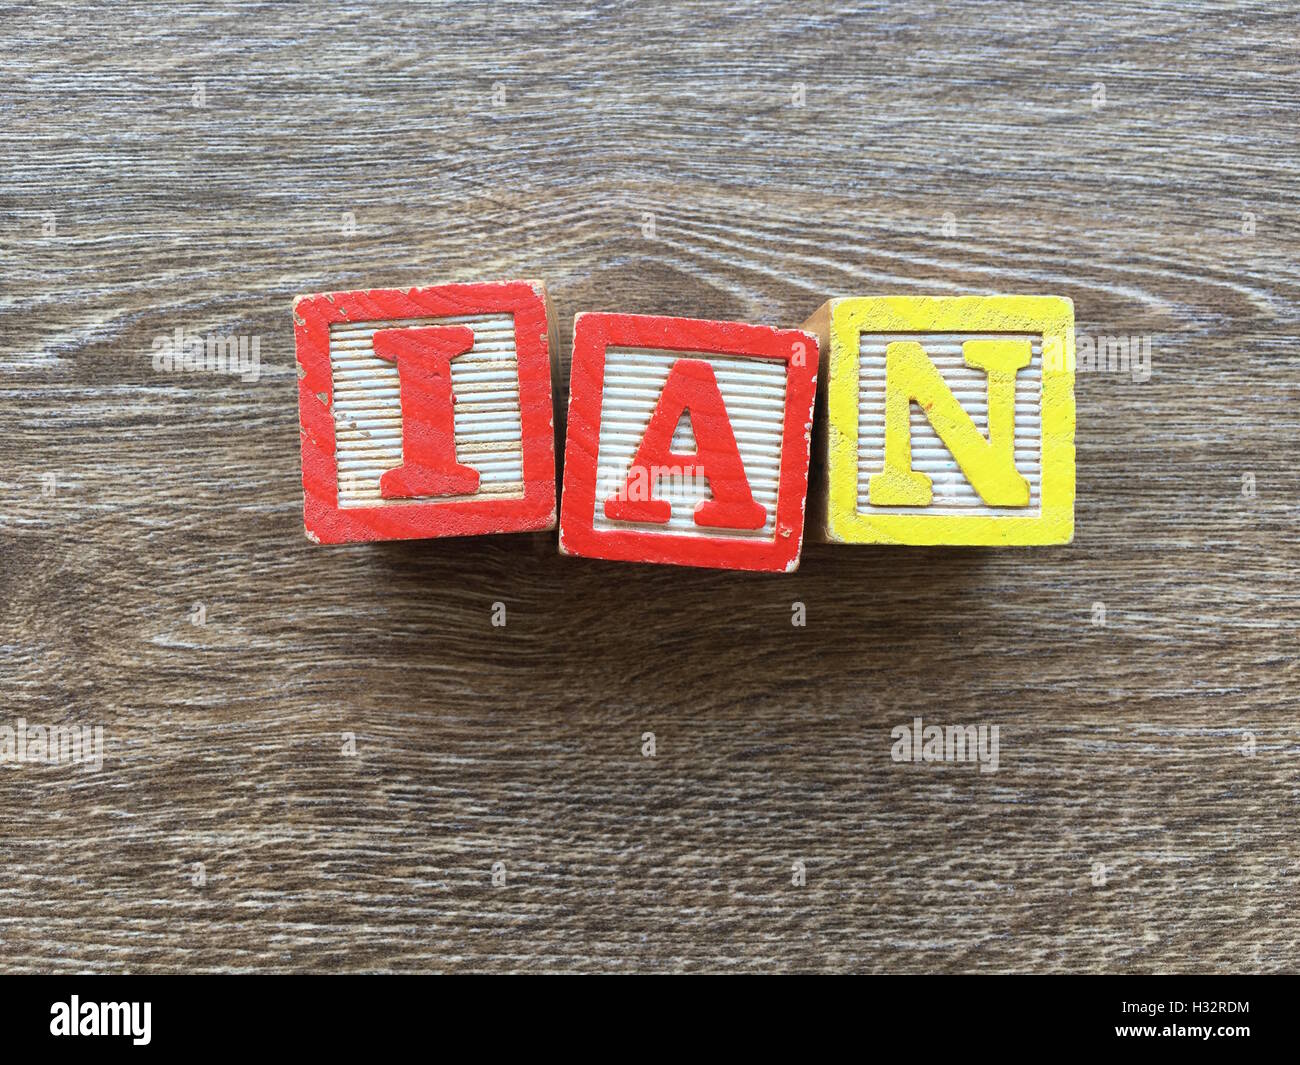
point(989, 465)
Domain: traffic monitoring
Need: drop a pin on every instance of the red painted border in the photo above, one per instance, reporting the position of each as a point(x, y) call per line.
point(592, 334)
point(326, 523)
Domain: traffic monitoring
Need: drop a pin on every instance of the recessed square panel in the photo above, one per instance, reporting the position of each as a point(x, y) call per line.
point(952, 492)
point(367, 414)
point(753, 391)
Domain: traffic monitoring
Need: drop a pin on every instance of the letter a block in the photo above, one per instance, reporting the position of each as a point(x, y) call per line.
point(950, 420)
point(688, 442)
point(426, 411)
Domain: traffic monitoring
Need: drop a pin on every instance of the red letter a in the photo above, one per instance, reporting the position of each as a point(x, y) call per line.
point(691, 387)
point(423, 356)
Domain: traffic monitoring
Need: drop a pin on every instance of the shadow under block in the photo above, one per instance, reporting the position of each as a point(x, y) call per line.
point(426, 412)
point(688, 442)
point(945, 420)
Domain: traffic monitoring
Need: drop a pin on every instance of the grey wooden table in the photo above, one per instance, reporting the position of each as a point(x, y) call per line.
point(187, 168)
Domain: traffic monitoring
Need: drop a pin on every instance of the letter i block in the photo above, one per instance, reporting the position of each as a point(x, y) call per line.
point(426, 411)
point(688, 442)
point(950, 420)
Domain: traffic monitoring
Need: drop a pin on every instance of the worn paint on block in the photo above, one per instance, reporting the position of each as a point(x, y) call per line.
point(688, 442)
point(426, 412)
point(949, 420)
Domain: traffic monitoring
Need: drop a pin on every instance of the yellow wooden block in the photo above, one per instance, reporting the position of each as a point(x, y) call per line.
point(946, 420)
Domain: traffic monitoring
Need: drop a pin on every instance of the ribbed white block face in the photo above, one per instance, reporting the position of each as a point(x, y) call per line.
point(368, 413)
point(953, 494)
point(754, 392)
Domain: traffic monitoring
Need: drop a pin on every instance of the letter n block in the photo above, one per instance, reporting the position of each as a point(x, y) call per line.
point(950, 420)
point(688, 442)
point(426, 411)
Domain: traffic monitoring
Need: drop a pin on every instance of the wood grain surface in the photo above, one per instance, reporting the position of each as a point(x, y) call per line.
point(194, 168)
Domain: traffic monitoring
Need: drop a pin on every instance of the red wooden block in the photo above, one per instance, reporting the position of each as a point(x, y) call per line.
point(687, 442)
point(426, 411)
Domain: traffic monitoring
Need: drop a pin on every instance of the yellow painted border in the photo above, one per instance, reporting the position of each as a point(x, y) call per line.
point(1052, 316)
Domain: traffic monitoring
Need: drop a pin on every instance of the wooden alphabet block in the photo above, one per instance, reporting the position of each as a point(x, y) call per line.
point(426, 411)
point(950, 420)
point(688, 442)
